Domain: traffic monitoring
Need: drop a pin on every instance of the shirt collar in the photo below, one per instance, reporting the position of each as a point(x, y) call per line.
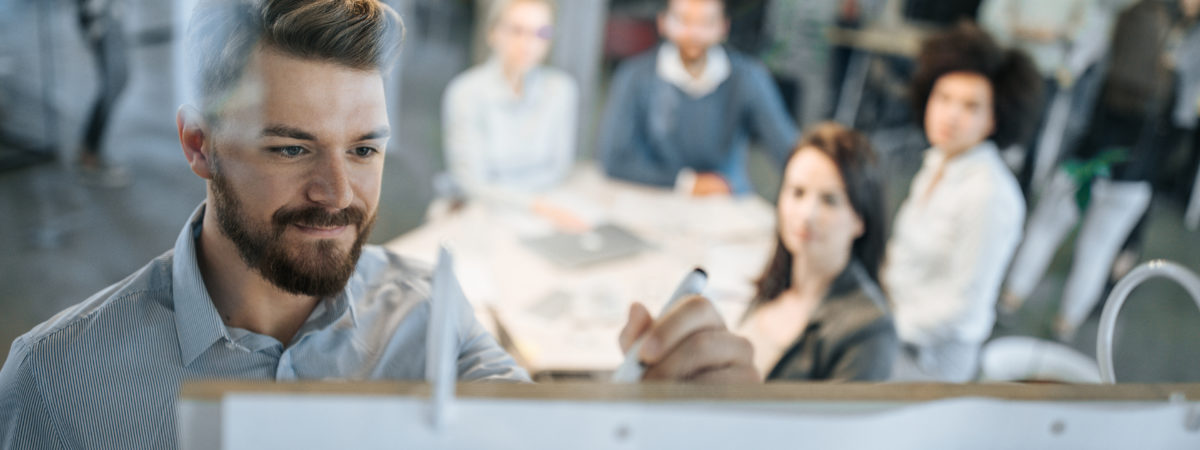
point(331, 309)
point(196, 319)
point(937, 157)
point(716, 70)
point(854, 278)
point(197, 322)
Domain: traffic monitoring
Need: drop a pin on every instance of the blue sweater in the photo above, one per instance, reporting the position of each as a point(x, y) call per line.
point(652, 129)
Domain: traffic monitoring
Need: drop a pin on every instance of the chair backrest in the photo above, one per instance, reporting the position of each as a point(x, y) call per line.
point(1112, 306)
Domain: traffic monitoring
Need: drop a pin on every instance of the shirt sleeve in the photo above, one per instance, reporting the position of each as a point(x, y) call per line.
point(25, 421)
point(959, 304)
point(481, 357)
point(624, 146)
point(769, 120)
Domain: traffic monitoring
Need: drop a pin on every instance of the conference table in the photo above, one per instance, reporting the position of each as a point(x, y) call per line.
point(565, 319)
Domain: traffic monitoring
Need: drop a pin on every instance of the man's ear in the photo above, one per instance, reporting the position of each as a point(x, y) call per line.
point(194, 136)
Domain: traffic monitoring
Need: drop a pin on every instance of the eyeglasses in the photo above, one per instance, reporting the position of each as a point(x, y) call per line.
point(543, 33)
point(704, 28)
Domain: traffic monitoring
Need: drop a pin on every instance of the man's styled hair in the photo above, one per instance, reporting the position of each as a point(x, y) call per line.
point(359, 34)
point(1016, 84)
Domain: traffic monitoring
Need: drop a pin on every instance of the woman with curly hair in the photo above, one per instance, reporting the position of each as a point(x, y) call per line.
point(956, 232)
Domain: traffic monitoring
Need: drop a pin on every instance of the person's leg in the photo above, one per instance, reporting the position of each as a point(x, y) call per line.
point(1026, 168)
point(1192, 217)
point(1049, 144)
point(111, 57)
point(814, 101)
point(1085, 94)
point(1055, 216)
point(1116, 206)
point(1146, 164)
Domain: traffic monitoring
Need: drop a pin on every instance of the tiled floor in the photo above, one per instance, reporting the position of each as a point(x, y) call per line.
point(62, 241)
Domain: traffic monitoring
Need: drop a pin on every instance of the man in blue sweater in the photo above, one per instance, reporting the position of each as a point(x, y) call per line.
point(683, 113)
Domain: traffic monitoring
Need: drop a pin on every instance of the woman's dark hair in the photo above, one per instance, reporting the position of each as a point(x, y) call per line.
point(1016, 83)
point(855, 160)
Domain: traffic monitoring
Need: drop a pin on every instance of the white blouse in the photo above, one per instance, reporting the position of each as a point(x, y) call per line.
point(951, 247)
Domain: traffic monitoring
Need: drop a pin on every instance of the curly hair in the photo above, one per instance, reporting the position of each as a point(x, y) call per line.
point(1016, 83)
point(856, 163)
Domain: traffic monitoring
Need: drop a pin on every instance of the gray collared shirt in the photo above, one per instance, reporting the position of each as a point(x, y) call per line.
point(105, 373)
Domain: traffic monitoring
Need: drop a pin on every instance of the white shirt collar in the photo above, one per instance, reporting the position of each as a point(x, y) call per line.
point(937, 157)
point(671, 69)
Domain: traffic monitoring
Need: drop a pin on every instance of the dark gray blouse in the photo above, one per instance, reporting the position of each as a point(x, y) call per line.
point(850, 337)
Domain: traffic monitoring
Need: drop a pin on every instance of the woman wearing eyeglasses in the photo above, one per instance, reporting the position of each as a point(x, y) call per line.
point(510, 123)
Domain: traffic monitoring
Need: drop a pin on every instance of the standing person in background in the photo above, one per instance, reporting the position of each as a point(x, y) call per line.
point(105, 37)
point(1148, 101)
point(961, 222)
point(819, 313)
point(800, 54)
point(683, 113)
point(1048, 31)
point(510, 123)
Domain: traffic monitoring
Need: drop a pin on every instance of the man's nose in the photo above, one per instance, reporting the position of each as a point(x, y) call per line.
point(329, 185)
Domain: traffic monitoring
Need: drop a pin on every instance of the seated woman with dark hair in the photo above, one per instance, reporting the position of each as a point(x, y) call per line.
point(819, 313)
point(957, 230)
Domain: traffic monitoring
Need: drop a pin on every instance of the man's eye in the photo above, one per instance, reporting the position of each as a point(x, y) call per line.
point(290, 151)
point(365, 151)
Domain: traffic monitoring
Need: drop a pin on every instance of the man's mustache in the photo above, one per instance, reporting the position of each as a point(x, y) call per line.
point(317, 217)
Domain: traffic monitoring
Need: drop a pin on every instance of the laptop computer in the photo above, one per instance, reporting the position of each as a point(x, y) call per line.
point(603, 243)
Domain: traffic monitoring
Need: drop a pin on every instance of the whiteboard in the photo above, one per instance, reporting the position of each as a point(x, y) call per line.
point(316, 420)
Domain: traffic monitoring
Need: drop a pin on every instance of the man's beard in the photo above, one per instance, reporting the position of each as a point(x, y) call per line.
point(319, 269)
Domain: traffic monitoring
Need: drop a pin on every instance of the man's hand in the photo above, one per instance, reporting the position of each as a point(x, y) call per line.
point(710, 184)
point(689, 343)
